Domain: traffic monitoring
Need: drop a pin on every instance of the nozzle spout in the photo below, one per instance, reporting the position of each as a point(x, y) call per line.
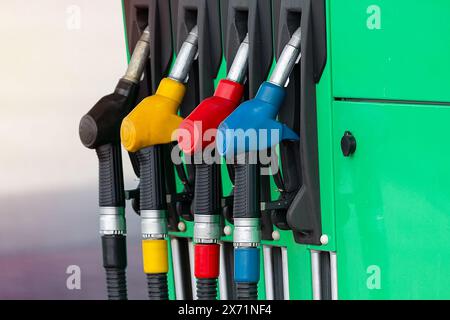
point(139, 58)
point(238, 68)
point(185, 57)
point(289, 57)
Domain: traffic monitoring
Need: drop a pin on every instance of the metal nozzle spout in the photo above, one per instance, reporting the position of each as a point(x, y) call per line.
point(185, 57)
point(139, 58)
point(239, 67)
point(289, 57)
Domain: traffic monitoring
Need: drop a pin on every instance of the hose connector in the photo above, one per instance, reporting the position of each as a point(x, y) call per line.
point(139, 58)
point(247, 232)
point(112, 221)
point(289, 57)
point(154, 224)
point(185, 57)
point(207, 228)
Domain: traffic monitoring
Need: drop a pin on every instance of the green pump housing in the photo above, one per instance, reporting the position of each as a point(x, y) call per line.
point(383, 132)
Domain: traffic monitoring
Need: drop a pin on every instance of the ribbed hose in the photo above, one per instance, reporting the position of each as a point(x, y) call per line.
point(246, 291)
point(157, 286)
point(116, 283)
point(114, 249)
point(207, 289)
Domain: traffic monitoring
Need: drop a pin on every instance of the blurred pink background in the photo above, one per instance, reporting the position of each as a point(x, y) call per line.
point(57, 59)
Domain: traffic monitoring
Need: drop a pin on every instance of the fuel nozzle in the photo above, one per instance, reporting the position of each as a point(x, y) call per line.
point(211, 111)
point(99, 129)
point(149, 126)
point(206, 116)
point(259, 114)
point(255, 118)
point(101, 125)
point(154, 120)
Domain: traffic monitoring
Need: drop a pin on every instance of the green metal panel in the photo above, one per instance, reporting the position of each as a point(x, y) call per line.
point(392, 201)
point(405, 59)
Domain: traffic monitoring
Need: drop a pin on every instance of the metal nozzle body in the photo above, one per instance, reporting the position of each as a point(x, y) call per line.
point(185, 57)
point(247, 232)
point(238, 68)
point(154, 224)
point(289, 57)
point(139, 58)
point(112, 221)
point(207, 228)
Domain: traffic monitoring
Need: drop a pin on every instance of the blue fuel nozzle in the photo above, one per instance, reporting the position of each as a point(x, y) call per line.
point(252, 126)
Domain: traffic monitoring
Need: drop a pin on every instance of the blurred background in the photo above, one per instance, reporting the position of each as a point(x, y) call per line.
point(58, 57)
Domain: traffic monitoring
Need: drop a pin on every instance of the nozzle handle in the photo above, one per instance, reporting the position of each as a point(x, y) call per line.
point(207, 190)
point(152, 188)
point(111, 187)
point(246, 191)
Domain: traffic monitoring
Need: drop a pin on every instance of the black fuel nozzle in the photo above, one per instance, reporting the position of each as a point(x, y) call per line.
point(99, 129)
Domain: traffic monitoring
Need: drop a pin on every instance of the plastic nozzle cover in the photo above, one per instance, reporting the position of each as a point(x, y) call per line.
point(206, 263)
point(252, 126)
point(246, 265)
point(155, 256)
point(101, 125)
point(155, 119)
point(192, 134)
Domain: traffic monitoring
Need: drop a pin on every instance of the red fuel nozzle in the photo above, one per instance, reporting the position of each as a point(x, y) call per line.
point(207, 116)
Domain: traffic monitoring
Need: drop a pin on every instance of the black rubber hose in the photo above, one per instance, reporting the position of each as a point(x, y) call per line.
point(246, 205)
point(153, 197)
point(157, 286)
point(115, 264)
point(207, 289)
point(111, 194)
point(207, 202)
point(246, 291)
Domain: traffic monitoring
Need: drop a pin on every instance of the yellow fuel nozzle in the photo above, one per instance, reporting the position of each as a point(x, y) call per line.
point(155, 119)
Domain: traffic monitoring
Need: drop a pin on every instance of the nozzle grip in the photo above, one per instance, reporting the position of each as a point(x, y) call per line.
point(111, 187)
point(246, 191)
point(152, 190)
point(207, 190)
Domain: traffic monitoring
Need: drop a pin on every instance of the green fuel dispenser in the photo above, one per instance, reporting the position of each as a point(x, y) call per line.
point(361, 207)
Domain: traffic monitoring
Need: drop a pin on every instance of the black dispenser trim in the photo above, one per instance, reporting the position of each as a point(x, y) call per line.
point(299, 160)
